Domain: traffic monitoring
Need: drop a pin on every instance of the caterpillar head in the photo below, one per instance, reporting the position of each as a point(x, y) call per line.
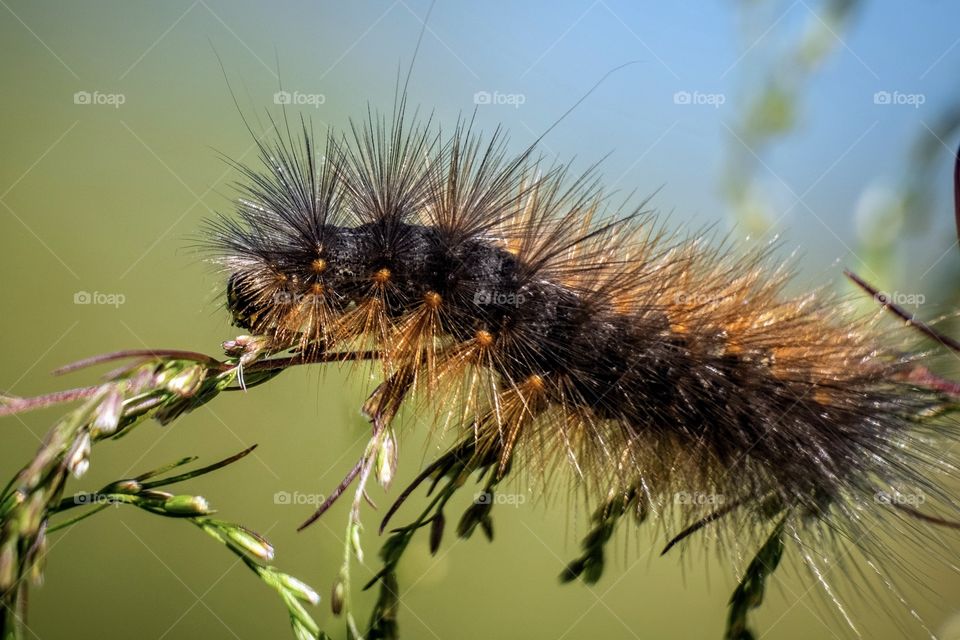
point(241, 304)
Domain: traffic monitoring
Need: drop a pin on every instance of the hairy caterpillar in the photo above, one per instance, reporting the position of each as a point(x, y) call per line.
point(552, 329)
point(627, 382)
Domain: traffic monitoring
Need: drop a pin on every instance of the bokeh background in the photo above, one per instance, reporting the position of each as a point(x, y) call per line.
point(830, 124)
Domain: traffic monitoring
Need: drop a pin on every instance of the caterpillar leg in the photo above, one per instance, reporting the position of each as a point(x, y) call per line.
point(382, 405)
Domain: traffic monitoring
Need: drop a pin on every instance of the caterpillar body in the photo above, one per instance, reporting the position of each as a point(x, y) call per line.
point(552, 328)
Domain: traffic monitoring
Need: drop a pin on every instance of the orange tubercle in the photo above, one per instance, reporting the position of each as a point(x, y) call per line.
point(382, 276)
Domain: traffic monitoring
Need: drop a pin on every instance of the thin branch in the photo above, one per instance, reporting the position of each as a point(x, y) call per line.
point(337, 492)
point(943, 522)
point(322, 358)
point(701, 523)
point(10, 405)
point(956, 193)
point(898, 311)
point(175, 354)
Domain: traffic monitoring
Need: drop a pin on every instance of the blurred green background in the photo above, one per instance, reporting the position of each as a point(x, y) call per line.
point(828, 123)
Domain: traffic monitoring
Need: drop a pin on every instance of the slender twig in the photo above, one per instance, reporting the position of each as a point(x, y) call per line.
point(168, 354)
point(956, 192)
point(701, 523)
point(924, 377)
point(952, 524)
point(337, 492)
point(898, 311)
point(322, 358)
point(10, 405)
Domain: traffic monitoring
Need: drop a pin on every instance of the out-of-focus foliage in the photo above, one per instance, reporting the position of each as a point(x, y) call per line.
point(772, 101)
point(888, 215)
